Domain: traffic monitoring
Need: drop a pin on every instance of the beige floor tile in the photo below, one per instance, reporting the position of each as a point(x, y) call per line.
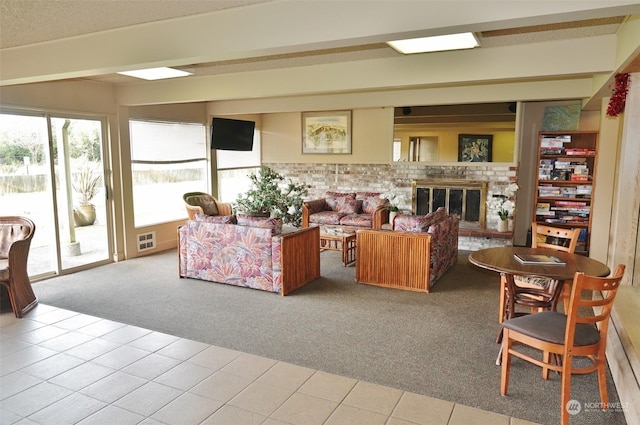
point(93, 348)
point(111, 415)
point(374, 398)
point(227, 415)
point(184, 376)
point(11, 345)
point(249, 366)
point(423, 410)
point(182, 349)
point(53, 316)
point(34, 398)
point(274, 421)
point(328, 386)
point(398, 421)
point(348, 415)
point(188, 409)
point(77, 322)
point(7, 417)
point(465, 415)
point(69, 410)
point(151, 366)
point(42, 334)
point(16, 326)
point(15, 382)
point(28, 356)
point(112, 387)
point(286, 375)
point(148, 399)
point(52, 366)
point(120, 357)
point(101, 327)
point(65, 341)
point(221, 386)
point(516, 421)
point(305, 409)
point(215, 357)
point(81, 376)
point(125, 334)
point(260, 398)
point(153, 341)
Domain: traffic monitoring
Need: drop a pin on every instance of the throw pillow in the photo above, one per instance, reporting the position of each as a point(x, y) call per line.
point(348, 205)
point(206, 202)
point(371, 203)
point(331, 198)
point(275, 224)
point(219, 219)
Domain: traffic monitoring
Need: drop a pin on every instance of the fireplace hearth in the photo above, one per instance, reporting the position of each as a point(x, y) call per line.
point(467, 198)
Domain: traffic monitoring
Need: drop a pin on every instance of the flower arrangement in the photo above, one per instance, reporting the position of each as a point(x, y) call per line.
point(272, 195)
point(503, 203)
point(395, 199)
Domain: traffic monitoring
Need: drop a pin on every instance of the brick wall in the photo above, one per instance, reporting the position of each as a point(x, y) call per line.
point(397, 178)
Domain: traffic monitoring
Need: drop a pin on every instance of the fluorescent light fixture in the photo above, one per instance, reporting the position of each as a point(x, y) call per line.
point(436, 43)
point(156, 73)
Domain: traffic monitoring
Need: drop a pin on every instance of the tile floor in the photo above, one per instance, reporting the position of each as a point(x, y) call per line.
point(61, 367)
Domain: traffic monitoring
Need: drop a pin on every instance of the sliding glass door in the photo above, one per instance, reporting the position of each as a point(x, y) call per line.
point(51, 170)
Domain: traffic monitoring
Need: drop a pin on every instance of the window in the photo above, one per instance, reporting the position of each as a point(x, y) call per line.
point(168, 159)
point(234, 168)
point(397, 146)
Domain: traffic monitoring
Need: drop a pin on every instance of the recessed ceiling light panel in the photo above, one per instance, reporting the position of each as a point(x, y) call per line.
point(156, 73)
point(437, 43)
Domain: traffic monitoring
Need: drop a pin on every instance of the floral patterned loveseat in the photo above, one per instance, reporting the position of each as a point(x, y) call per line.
point(253, 254)
point(413, 256)
point(358, 209)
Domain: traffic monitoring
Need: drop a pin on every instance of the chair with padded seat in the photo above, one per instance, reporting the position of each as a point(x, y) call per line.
point(204, 203)
point(16, 234)
point(581, 333)
point(533, 292)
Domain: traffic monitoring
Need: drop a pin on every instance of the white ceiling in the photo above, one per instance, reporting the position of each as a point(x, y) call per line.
point(284, 34)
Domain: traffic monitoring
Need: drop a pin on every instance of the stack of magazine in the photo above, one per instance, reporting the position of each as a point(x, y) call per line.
point(539, 259)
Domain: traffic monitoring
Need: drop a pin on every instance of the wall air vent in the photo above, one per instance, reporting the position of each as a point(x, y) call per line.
point(146, 241)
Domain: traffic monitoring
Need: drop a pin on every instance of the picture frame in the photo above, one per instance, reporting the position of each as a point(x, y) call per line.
point(326, 132)
point(475, 147)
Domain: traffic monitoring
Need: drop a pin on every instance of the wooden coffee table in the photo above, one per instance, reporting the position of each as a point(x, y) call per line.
point(339, 239)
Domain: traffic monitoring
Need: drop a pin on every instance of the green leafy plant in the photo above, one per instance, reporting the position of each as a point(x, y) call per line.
point(272, 195)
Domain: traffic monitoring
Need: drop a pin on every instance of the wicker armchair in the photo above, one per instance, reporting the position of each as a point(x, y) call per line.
point(15, 240)
point(203, 203)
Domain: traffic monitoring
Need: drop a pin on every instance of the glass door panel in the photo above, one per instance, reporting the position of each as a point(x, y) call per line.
point(80, 191)
point(64, 239)
point(25, 184)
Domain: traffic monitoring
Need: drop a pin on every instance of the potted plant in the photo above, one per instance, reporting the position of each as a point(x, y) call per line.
point(86, 184)
point(270, 195)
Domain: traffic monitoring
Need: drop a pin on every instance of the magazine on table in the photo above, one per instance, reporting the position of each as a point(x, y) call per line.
point(539, 259)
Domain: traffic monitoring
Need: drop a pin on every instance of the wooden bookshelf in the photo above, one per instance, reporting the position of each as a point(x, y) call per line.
point(565, 182)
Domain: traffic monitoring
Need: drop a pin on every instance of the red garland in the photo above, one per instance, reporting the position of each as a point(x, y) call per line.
point(619, 96)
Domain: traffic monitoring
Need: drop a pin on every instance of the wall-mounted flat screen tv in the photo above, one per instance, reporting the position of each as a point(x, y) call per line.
point(232, 135)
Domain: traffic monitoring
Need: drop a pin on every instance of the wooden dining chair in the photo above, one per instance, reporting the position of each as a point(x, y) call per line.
point(537, 293)
point(582, 333)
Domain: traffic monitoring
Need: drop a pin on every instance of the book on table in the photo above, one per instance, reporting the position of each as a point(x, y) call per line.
point(540, 259)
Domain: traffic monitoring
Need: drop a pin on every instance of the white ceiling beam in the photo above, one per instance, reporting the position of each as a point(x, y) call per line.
point(275, 28)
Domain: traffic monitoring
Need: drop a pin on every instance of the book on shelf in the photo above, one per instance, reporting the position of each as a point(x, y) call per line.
point(539, 259)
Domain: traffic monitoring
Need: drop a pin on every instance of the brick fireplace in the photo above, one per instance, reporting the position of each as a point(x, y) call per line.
point(467, 198)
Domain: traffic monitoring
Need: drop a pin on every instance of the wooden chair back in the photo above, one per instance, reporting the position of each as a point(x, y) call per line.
point(558, 238)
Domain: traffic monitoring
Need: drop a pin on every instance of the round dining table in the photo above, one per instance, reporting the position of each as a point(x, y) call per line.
point(502, 260)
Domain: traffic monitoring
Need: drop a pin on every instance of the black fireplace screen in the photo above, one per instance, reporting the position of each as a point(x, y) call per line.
point(463, 198)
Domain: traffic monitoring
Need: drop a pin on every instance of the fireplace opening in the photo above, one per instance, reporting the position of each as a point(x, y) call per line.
point(466, 198)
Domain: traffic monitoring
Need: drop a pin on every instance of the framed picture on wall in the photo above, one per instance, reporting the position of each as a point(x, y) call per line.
point(474, 147)
point(326, 132)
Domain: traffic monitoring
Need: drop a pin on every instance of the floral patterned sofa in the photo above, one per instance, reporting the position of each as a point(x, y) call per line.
point(358, 209)
point(254, 253)
point(413, 256)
